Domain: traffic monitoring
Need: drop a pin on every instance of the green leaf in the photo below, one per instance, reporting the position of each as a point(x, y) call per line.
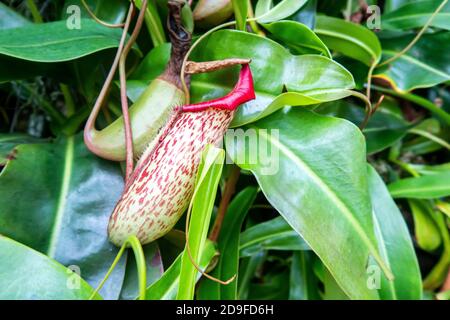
point(9, 141)
point(298, 37)
point(153, 64)
point(228, 247)
point(66, 197)
point(425, 229)
point(314, 78)
point(424, 187)
point(240, 8)
point(395, 245)
point(350, 39)
point(55, 42)
point(207, 181)
point(303, 282)
point(167, 286)
point(316, 157)
point(275, 234)
point(424, 60)
point(415, 15)
point(266, 12)
point(10, 19)
point(30, 275)
point(384, 128)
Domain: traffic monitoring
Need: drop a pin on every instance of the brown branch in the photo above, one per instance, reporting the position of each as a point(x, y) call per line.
point(123, 93)
point(228, 192)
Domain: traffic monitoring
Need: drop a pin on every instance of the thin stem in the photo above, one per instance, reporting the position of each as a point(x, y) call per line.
point(98, 20)
point(123, 93)
point(228, 192)
point(110, 270)
point(34, 11)
point(416, 38)
point(253, 23)
point(191, 258)
point(134, 243)
point(369, 79)
point(419, 101)
point(368, 107)
point(90, 124)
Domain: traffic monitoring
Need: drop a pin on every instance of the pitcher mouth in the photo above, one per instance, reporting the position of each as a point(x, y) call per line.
point(241, 93)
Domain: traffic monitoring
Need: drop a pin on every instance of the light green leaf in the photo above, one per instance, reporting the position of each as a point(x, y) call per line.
point(424, 187)
point(240, 8)
point(349, 39)
point(265, 11)
point(54, 42)
point(228, 246)
point(427, 61)
point(320, 188)
point(202, 203)
point(395, 244)
point(425, 229)
point(313, 77)
point(415, 15)
point(298, 37)
point(167, 286)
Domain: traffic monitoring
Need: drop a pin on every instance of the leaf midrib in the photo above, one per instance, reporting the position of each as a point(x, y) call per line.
point(350, 39)
point(327, 190)
point(419, 63)
point(62, 199)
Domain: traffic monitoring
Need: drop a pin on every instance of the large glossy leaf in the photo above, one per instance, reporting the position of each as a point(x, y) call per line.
point(10, 19)
point(310, 79)
point(275, 234)
point(298, 37)
point(65, 199)
point(424, 187)
point(424, 65)
point(228, 246)
point(54, 42)
point(206, 183)
point(320, 188)
point(29, 275)
point(415, 15)
point(266, 12)
point(349, 39)
point(395, 244)
point(384, 128)
point(166, 287)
